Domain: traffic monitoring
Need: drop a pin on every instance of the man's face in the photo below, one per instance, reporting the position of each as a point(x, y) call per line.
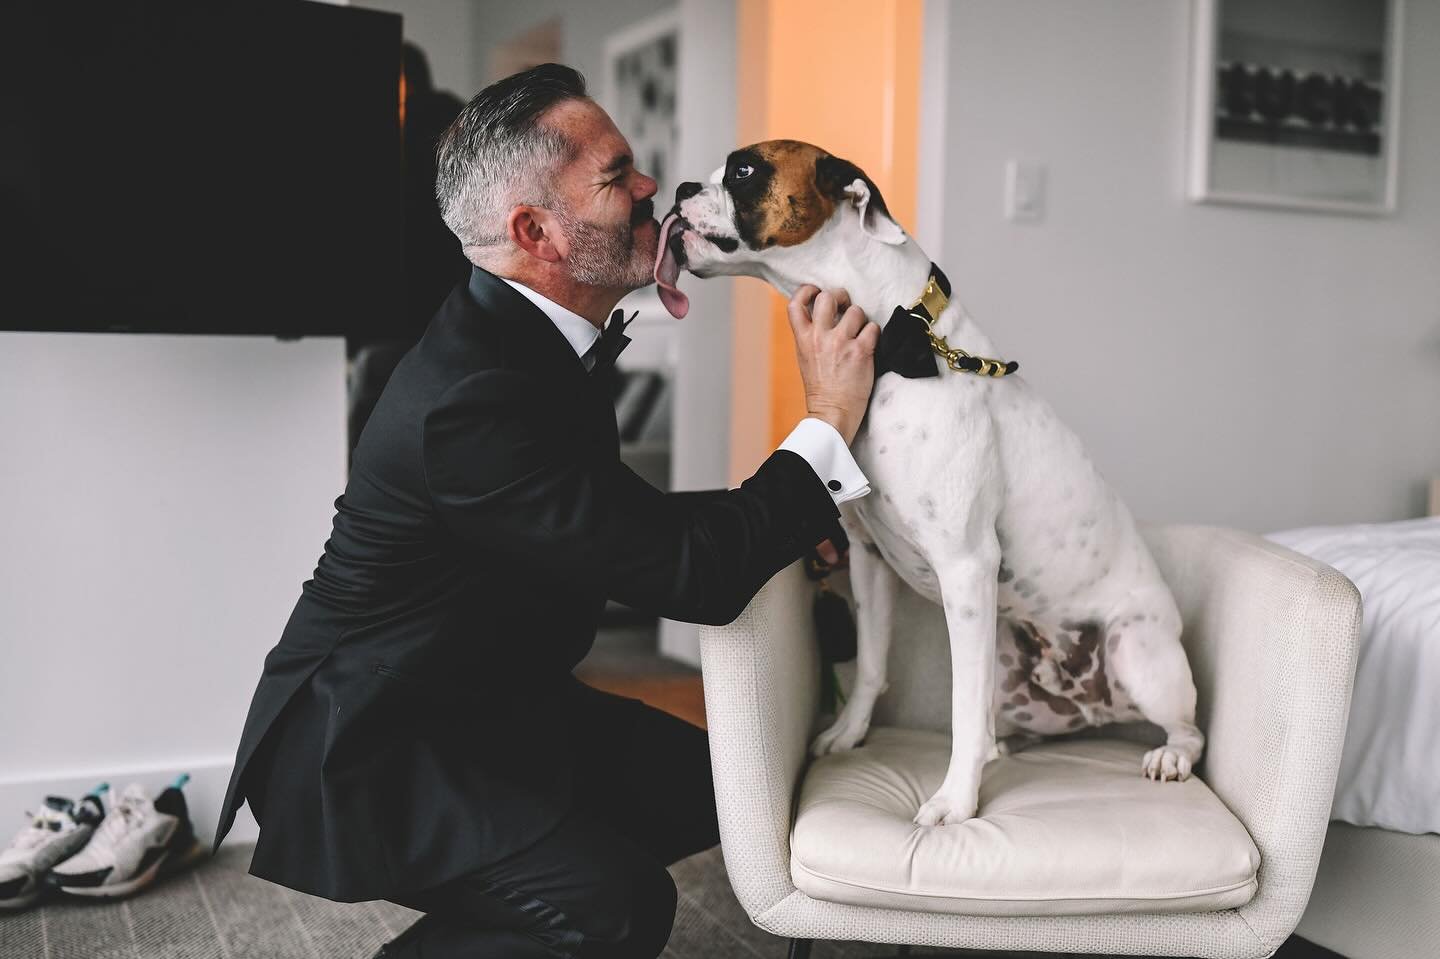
point(606, 218)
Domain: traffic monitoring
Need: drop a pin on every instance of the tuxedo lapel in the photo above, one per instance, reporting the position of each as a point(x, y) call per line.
point(531, 342)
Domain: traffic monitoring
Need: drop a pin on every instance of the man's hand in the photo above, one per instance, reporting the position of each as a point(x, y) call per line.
point(836, 356)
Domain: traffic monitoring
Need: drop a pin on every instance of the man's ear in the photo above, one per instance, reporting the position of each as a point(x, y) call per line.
point(529, 229)
point(844, 182)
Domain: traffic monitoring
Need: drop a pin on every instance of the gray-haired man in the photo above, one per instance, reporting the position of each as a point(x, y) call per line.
point(417, 734)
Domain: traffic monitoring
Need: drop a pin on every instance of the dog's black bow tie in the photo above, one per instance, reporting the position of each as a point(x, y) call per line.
point(612, 341)
point(904, 347)
point(909, 347)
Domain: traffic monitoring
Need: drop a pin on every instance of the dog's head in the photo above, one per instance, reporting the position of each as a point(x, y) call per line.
point(773, 210)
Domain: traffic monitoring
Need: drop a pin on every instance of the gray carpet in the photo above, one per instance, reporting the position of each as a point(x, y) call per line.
point(217, 910)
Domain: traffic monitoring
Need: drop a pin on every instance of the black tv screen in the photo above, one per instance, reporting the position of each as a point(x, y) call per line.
point(193, 166)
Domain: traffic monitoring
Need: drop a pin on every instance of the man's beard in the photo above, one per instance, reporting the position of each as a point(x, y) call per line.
point(606, 256)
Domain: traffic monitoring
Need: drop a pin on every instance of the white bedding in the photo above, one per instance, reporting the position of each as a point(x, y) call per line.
point(1390, 770)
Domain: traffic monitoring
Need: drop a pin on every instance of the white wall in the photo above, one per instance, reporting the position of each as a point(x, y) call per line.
point(448, 31)
point(459, 36)
point(163, 499)
point(1255, 368)
point(583, 27)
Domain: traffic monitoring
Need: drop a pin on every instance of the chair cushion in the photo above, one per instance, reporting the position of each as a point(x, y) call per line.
point(1064, 828)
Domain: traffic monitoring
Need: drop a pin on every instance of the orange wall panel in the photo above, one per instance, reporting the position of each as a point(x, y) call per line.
point(845, 76)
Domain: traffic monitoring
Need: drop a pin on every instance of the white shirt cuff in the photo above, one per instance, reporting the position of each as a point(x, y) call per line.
point(822, 446)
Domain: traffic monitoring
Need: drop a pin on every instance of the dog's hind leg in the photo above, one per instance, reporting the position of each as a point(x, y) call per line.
point(875, 585)
point(1148, 660)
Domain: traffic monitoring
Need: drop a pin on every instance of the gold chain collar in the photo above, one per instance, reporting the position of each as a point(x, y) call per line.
point(928, 307)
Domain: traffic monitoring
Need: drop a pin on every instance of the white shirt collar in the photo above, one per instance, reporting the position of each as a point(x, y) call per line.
point(578, 331)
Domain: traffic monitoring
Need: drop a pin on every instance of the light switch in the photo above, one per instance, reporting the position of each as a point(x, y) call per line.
point(1024, 191)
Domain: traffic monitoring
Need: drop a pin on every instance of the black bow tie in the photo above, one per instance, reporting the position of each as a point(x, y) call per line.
point(612, 341)
point(904, 347)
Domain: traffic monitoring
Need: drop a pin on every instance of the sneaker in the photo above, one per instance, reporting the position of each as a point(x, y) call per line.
point(139, 841)
point(60, 829)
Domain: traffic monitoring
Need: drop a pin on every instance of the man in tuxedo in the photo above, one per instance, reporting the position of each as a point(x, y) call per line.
point(417, 734)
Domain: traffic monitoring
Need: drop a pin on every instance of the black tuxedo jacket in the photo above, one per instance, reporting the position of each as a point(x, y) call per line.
point(486, 520)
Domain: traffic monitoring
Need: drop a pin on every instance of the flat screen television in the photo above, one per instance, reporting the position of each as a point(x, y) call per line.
point(194, 166)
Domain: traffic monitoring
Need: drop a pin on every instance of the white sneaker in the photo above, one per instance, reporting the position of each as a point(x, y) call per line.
point(138, 842)
point(59, 830)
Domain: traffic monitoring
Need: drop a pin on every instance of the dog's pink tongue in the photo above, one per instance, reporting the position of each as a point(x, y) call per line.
point(667, 271)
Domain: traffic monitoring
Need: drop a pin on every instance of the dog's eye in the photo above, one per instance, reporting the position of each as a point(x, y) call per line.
point(742, 171)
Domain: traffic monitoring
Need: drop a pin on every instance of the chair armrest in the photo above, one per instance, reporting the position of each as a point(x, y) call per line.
point(762, 692)
point(1272, 638)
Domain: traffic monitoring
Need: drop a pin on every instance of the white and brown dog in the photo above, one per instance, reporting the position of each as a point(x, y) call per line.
point(982, 500)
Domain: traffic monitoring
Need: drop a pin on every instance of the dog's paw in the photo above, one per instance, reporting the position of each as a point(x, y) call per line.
point(945, 809)
point(1165, 763)
point(841, 737)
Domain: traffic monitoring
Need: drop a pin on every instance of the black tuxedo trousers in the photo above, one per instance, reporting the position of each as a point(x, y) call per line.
point(486, 520)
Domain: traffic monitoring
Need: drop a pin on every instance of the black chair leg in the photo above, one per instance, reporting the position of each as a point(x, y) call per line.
point(800, 948)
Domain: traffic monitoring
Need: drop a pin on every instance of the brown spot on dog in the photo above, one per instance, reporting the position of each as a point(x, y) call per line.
point(781, 200)
point(1006, 573)
point(1006, 659)
point(1020, 699)
point(1023, 716)
point(1058, 705)
point(1075, 722)
point(1081, 651)
point(1028, 642)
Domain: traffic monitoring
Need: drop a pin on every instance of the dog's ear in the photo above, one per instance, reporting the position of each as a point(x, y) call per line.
point(843, 181)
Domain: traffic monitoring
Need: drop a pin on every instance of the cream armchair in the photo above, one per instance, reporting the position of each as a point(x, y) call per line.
point(1072, 851)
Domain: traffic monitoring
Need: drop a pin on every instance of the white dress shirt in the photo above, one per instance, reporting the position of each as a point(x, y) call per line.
point(814, 440)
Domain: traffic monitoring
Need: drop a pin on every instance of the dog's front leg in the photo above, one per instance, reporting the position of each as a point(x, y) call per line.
point(967, 589)
point(875, 585)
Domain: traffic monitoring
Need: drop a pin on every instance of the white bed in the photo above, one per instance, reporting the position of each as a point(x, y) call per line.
point(1377, 892)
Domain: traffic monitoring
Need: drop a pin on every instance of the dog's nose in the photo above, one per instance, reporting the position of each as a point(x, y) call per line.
point(685, 191)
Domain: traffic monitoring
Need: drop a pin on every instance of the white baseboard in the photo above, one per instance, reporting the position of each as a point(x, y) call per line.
point(203, 793)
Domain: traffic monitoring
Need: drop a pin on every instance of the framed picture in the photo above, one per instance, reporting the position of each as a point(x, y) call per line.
point(640, 91)
point(1294, 104)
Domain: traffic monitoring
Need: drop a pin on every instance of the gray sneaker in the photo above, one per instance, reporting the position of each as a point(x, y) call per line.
point(57, 832)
